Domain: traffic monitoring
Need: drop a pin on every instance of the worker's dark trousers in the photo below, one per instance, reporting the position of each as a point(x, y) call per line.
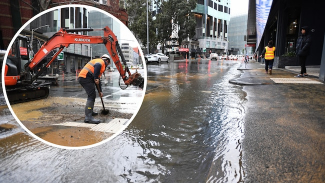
point(89, 85)
point(302, 62)
point(268, 64)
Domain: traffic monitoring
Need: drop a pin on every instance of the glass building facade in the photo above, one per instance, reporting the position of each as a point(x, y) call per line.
point(237, 35)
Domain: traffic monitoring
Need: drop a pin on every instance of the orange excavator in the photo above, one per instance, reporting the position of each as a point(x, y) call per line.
point(22, 75)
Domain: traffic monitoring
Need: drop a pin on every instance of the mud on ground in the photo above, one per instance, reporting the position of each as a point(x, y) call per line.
point(40, 116)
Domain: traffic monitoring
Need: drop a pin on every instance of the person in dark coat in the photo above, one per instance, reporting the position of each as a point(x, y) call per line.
point(302, 49)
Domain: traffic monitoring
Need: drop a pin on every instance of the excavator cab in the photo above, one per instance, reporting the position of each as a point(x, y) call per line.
point(15, 74)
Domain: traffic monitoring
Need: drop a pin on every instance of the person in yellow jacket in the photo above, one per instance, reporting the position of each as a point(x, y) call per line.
point(268, 54)
point(88, 77)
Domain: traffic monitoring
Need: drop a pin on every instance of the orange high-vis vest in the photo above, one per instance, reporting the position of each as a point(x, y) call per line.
point(89, 67)
point(269, 54)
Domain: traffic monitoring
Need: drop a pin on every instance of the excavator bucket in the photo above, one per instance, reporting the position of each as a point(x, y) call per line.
point(136, 80)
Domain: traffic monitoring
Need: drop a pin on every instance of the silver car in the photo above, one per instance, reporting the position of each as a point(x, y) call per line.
point(158, 57)
point(151, 58)
point(162, 57)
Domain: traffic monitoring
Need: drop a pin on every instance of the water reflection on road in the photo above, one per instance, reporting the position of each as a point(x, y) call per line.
point(189, 129)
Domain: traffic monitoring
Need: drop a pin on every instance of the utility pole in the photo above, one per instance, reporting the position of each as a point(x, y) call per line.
point(147, 30)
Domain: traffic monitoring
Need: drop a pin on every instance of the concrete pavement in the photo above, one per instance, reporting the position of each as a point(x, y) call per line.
point(284, 125)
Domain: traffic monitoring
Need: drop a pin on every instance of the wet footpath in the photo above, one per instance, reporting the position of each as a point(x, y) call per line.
point(284, 125)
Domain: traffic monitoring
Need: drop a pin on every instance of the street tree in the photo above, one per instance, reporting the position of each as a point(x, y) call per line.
point(163, 22)
point(137, 13)
point(179, 13)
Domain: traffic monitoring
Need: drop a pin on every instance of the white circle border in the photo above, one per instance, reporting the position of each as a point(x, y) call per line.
point(123, 26)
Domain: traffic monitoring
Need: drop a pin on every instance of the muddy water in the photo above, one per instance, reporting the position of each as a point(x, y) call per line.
point(189, 129)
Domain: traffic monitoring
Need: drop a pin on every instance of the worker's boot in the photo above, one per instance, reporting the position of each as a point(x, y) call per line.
point(89, 111)
point(94, 113)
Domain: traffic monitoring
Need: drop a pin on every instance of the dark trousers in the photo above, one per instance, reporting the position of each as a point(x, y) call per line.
point(89, 85)
point(268, 64)
point(302, 62)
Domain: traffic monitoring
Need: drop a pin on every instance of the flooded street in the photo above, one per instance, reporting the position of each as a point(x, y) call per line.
point(189, 128)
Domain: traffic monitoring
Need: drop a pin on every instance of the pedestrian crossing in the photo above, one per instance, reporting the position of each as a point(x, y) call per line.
point(112, 126)
point(295, 80)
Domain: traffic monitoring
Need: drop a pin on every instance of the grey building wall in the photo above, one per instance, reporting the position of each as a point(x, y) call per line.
point(100, 20)
point(237, 32)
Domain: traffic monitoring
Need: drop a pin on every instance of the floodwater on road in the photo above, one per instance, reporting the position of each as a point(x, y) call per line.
point(189, 129)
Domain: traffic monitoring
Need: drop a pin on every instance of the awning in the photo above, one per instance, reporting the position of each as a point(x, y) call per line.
point(184, 50)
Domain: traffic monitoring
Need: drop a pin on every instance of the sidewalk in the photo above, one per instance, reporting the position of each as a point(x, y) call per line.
point(284, 125)
point(254, 74)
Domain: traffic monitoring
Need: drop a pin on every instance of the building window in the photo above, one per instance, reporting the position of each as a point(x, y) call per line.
point(200, 2)
point(211, 3)
point(226, 9)
point(220, 8)
point(86, 50)
point(215, 6)
point(208, 44)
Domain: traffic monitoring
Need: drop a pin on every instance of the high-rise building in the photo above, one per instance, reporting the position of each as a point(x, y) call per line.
point(127, 51)
point(100, 20)
point(15, 13)
point(237, 35)
point(76, 55)
point(212, 20)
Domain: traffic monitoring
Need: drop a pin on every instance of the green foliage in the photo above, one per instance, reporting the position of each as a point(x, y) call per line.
point(137, 12)
point(289, 54)
point(160, 29)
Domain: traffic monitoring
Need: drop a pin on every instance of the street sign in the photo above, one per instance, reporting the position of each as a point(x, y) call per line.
point(204, 50)
point(61, 56)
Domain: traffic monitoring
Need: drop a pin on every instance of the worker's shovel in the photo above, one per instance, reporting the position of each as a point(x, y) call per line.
point(104, 111)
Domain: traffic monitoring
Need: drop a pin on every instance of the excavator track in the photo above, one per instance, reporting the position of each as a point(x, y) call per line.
point(25, 94)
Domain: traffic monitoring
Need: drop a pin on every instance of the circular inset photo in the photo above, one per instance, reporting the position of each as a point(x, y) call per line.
point(74, 76)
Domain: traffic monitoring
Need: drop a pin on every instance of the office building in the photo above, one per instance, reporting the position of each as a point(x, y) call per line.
point(237, 35)
point(212, 20)
point(14, 13)
point(281, 22)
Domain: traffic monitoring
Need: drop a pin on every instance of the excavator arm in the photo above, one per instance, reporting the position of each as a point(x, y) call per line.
point(63, 39)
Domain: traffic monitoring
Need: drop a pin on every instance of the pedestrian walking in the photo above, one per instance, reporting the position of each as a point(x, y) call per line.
point(88, 77)
point(302, 49)
point(268, 55)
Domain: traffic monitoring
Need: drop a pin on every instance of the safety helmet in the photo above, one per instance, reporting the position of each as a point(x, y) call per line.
point(105, 56)
point(106, 59)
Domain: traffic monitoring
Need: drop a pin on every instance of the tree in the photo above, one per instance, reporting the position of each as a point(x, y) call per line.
point(137, 12)
point(178, 12)
point(164, 23)
point(185, 19)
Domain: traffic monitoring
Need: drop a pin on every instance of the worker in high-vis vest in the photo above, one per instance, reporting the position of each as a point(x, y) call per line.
point(268, 54)
point(88, 77)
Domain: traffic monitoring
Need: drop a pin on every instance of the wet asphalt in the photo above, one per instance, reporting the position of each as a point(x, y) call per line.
point(280, 137)
point(284, 127)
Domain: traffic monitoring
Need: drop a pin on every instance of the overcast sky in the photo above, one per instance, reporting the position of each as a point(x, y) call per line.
point(238, 7)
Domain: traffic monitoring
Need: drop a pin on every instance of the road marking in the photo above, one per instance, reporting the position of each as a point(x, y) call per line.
point(295, 80)
point(112, 126)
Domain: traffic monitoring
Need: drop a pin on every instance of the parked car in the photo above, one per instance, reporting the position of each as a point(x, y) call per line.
point(151, 58)
point(241, 57)
point(156, 58)
point(224, 57)
point(232, 57)
point(162, 57)
point(214, 56)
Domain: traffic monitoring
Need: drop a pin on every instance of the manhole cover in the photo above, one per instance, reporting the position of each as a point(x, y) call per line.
point(295, 80)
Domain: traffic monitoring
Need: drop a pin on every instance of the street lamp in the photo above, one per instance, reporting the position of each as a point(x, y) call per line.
point(31, 42)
